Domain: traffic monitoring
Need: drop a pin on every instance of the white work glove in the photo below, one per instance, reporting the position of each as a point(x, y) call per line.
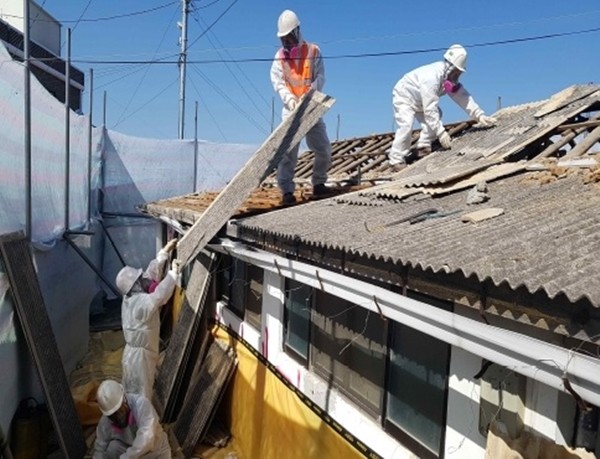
point(176, 266)
point(487, 121)
point(445, 140)
point(292, 103)
point(170, 246)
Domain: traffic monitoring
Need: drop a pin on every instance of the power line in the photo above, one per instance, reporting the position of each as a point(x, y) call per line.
point(105, 18)
point(206, 6)
point(355, 56)
point(134, 93)
point(225, 96)
point(149, 101)
point(81, 15)
point(235, 77)
point(213, 23)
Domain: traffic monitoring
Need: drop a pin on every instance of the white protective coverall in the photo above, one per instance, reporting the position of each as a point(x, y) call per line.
point(316, 138)
point(417, 95)
point(140, 316)
point(143, 437)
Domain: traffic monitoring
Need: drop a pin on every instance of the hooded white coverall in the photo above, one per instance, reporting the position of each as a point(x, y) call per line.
point(140, 316)
point(316, 138)
point(143, 437)
point(417, 95)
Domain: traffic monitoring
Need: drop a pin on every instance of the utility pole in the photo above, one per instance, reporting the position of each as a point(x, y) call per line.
point(185, 6)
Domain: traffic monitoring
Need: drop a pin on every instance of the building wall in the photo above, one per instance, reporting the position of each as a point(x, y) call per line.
point(45, 30)
point(526, 403)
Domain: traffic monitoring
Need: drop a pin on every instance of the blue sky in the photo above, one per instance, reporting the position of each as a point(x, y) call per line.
point(235, 99)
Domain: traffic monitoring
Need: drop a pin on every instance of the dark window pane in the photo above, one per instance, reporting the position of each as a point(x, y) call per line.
point(238, 287)
point(417, 386)
point(298, 299)
point(348, 349)
point(254, 294)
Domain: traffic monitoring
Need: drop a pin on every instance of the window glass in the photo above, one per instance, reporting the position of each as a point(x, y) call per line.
point(254, 295)
point(418, 384)
point(298, 300)
point(237, 287)
point(349, 349)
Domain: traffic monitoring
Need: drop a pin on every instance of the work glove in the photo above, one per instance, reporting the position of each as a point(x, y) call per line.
point(487, 121)
point(445, 140)
point(170, 246)
point(176, 266)
point(292, 103)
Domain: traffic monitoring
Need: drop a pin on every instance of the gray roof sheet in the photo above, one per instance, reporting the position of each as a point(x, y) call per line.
point(547, 239)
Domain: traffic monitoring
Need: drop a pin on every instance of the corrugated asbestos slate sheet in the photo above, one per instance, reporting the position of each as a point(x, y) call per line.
point(548, 237)
point(478, 148)
point(541, 241)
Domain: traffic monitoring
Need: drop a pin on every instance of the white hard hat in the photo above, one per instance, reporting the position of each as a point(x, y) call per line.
point(126, 278)
point(110, 396)
point(457, 56)
point(287, 22)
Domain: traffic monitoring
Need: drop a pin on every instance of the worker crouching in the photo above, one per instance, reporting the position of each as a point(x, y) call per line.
point(129, 427)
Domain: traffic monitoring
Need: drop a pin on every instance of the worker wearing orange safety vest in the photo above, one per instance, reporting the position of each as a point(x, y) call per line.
point(298, 68)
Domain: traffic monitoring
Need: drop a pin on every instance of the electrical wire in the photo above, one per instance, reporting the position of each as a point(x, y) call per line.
point(160, 93)
point(206, 6)
point(147, 67)
point(224, 95)
point(105, 18)
point(235, 77)
point(361, 55)
point(213, 23)
point(81, 15)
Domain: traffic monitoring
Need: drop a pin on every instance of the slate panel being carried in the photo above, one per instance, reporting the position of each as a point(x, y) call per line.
point(289, 134)
point(33, 317)
point(187, 332)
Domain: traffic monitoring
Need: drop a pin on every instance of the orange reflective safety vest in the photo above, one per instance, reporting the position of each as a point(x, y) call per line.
point(297, 70)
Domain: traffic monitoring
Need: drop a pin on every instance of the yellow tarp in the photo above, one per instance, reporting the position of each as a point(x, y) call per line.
point(102, 361)
point(268, 420)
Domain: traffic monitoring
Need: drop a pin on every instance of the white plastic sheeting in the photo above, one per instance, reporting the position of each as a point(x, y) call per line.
point(48, 157)
point(126, 172)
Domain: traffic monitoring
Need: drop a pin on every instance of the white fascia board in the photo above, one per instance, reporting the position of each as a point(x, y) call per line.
point(529, 356)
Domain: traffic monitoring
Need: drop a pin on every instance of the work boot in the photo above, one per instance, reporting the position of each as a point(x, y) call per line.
point(288, 199)
point(320, 191)
point(423, 151)
point(395, 168)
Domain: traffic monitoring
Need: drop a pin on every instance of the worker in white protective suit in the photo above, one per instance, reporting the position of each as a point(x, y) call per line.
point(417, 95)
point(143, 295)
point(296, 69)
point(129, 427)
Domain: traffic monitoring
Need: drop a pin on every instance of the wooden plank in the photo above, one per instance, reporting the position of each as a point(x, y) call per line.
point(33, 317)
point(289, 133)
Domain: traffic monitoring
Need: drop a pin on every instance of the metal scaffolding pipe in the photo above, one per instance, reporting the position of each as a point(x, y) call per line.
point(90, 126)
point(196, 148)
point(112, 242)
point(27, 118)
point(67, 130)
point(91, 265)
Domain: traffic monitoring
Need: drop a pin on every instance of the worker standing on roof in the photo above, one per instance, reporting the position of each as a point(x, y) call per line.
point(129, 427)
point(298, 68)
point(143, 295)
point(417, 95)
